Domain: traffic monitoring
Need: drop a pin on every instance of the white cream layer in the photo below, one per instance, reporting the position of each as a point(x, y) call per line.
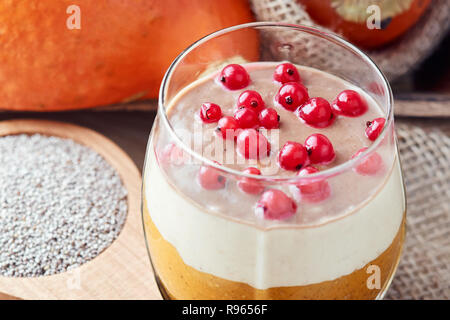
point(276, 257)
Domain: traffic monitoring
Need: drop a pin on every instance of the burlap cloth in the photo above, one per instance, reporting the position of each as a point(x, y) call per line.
point(424, 270)
point(395, 59)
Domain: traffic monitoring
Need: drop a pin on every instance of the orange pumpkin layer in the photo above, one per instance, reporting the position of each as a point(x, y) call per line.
point(120, 53)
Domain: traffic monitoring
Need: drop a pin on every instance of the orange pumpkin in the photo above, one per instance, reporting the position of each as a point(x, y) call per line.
point(349, 17)
point(120, 53)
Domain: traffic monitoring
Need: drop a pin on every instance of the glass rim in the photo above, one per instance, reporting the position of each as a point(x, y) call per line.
point(348, 164)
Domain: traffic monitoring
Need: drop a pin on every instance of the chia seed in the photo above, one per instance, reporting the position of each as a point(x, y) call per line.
point(61, 205)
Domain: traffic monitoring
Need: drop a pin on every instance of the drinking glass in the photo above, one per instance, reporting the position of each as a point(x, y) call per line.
point(210, 245)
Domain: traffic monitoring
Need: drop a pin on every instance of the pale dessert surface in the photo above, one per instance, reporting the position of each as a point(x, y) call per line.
point(345, 133)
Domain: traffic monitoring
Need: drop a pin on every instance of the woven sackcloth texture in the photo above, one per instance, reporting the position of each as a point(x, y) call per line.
point(424, 269)
point(395, 59)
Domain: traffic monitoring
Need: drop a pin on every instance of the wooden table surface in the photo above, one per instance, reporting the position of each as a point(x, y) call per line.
point(130, 129)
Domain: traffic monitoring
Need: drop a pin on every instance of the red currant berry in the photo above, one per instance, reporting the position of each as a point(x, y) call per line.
point(234, 77)
point(252, 144)
point(320, 149)
point(374, 128)
point(249, 185)
point(210, 112)
point(210, 178)
point(316, 112)
point(246, 118)
point(250, 99)
point(227, 127)
point(371, 165)
point(292, 156)
point(269, 118)
point(275, 205)
point(291, 95)
point(314, 190)
point(349, 103)
point(286, 72)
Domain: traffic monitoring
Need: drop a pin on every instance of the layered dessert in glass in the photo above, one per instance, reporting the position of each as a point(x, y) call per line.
point(276, 176)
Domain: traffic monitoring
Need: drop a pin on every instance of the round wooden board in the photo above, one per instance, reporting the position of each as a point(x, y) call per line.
point(123, 270)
